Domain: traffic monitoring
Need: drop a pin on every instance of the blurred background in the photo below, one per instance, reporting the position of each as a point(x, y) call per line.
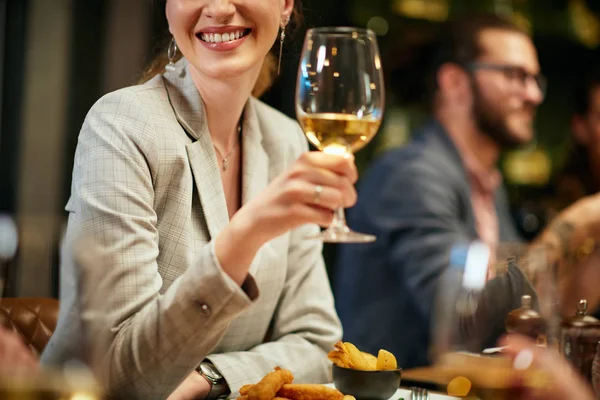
point(57, 57)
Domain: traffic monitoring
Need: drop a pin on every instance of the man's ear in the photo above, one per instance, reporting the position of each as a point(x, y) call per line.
point(453, 81)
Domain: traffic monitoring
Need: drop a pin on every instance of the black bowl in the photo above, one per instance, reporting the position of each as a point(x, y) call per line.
point(367, 385)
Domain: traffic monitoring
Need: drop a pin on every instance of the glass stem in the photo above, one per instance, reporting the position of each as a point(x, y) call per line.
point(339, 220)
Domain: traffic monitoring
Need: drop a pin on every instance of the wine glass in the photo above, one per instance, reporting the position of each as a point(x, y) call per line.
point(483, 294)
point(340, 101)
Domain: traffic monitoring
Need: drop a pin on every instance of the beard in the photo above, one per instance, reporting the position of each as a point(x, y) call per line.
point(493, 122)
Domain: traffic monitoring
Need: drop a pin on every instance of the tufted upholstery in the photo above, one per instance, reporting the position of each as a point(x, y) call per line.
point(33, 318)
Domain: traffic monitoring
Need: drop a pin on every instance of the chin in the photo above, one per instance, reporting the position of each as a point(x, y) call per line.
point(520, 138)
point(224, 69)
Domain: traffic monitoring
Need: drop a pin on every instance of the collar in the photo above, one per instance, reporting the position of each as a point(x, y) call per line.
point(189, 108)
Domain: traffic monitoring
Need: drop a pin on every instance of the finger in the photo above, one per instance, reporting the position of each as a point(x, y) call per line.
point(325, 178)
point(326, 197)
point(304, 214)
point(340, 165)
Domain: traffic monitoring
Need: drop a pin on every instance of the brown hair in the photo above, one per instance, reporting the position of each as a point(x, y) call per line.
point(458, 43)
point(267, 74)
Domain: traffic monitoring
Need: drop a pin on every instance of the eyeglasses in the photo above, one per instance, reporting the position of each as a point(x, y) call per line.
point(513, 73)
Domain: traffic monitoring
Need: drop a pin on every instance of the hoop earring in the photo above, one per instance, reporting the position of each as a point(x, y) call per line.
point(171, 53)
point(281, 39)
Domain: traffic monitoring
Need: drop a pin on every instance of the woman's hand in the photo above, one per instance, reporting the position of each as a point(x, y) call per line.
point(309, 192)
point(565, 383)
point(194, 387)
point(293, 198)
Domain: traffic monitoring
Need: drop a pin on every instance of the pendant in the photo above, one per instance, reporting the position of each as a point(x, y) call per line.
point(224, 165)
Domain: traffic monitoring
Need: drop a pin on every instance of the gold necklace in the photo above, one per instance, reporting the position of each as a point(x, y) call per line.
point(225, 159)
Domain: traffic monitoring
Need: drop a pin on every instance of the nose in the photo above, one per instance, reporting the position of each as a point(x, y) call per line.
point(222, 11)
point(534, 92)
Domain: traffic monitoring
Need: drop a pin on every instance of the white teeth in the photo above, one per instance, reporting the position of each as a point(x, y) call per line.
point(221, 38)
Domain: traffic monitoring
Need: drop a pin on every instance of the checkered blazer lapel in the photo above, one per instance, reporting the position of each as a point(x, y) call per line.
point(189, 110)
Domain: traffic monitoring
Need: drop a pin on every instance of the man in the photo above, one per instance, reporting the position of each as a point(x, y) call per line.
point(443, 188)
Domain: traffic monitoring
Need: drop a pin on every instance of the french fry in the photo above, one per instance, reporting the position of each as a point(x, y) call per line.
point(370, 359)
point(339, 356)
point(357, 360)
point(349, 397)
point(386, 360)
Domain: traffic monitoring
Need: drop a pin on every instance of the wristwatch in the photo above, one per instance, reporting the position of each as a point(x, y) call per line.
point(218, 387)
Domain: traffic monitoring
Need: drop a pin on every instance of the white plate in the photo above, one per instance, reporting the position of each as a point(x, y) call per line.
point(405, 394)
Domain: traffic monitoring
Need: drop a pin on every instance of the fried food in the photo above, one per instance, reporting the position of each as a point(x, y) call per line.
point(244, 389)
point(348, 397)
point(270, 384)
point(347, 355)
point(309, 392)
point(370, 359)
point(386, 360)
point(357, 360)
point(339, 356)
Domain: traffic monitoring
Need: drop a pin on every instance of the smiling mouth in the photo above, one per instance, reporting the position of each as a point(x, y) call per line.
point(223, 37)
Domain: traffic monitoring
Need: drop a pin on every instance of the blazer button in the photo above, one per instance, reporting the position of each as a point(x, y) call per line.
point(206, 310)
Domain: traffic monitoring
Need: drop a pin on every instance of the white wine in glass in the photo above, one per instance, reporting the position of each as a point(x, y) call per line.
point(340, 100)
point(328, 132)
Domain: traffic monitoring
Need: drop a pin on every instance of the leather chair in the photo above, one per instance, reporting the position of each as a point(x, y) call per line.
point(32, 318)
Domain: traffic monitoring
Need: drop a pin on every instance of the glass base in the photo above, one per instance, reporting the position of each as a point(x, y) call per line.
point(342, 235)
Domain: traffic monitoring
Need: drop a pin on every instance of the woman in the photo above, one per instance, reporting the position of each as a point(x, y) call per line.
point(199, 197)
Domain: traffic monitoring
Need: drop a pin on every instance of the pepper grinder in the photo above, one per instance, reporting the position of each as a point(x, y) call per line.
point(525, 320)
point(579, 338)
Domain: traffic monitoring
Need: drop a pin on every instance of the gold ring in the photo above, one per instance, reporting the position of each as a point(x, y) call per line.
point(318, 191)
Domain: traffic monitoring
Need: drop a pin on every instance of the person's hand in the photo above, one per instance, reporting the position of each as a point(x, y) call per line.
point(15, 357)
point(565, 383)
point(309, 192)
point(194, 387)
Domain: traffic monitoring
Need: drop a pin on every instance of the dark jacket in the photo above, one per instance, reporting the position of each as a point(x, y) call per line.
point(416, 200)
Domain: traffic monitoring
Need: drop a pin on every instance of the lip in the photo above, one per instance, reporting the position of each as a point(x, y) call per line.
point(223, 46)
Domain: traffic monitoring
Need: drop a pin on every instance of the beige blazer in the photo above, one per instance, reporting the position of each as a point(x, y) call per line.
point(147, 188)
